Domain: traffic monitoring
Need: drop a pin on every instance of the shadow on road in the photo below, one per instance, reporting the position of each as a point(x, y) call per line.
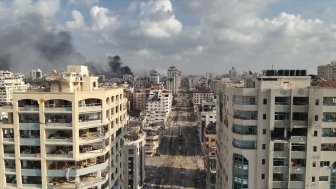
point(180, 141)
point(171, 177)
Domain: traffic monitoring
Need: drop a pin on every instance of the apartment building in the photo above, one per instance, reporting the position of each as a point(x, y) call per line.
point(152, 140)
point(140, 97)
point(10, 83)
point(173, 79)
point(158, 106)
point(200, 95)
point(276, 132)
point(68, 135)
point(327, 71)
point(134, 164)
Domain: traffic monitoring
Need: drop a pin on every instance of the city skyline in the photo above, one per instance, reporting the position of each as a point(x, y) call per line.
point(194, 36)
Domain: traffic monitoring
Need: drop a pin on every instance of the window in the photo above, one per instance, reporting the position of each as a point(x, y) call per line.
point(314, 164)
point(264, 146)
point(324, 163)
point(264, 131)
point(265, 101)
point(317, 102)
point(313, 179)
point(315, 133)
point(263, 161)
point(316, 117)
point(264, 116)
point(323, 178)
point(315, 148)
point(262, 176)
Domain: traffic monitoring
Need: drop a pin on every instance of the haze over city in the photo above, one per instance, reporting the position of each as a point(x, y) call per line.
point(197, 36)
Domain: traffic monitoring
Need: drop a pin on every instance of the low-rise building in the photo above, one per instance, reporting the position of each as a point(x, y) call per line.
point(9, 84)
point(152, 140)
point(200, 95)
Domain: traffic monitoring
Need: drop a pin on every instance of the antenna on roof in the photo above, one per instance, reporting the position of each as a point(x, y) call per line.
point(272, 66)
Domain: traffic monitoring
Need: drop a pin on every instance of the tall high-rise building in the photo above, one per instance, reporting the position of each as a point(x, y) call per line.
point(233, 73)
point(173, 79)
point(154, 77)
point(67, 135)
point(10, 83)
point(276, 132)
point(327, 71)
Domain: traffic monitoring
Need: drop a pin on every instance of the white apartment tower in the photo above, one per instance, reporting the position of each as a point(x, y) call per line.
point(173, 79)
point(68, 135)
point(328, 71)
point(10, 83)
point(134, 164)
point(277, 132)
point(158, 106)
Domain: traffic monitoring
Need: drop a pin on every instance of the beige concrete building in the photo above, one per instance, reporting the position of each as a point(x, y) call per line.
point(68, 135)
point(134, 164)
point(327, 71)
point(140, 98)
point(200, 95)
point(276, 132)
point(174, 78)
point(9, 84)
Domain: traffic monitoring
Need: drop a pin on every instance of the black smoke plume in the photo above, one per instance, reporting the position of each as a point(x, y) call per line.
point(30, 41)
point(114, 68)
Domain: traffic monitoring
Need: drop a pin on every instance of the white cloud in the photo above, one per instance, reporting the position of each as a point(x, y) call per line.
point(77, 22)
point(102, 18)
point(157, 19)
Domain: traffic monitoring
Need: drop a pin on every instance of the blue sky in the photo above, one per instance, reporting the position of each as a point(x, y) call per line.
point(196, 36)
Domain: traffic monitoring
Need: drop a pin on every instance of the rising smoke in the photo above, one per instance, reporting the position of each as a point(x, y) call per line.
point(30, 41)
point(113, 69)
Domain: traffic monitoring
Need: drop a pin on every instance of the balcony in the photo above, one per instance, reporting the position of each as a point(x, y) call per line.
point(280, 169)
point(30, 141)
point(298, 154)
point(60, 152)
point(279, 184)
point(58, 125)
point(299, 123)
point(30, 172)
point(298, 139)
point(29, 126)
point(281, 123)
point(300, 108)
point(296, 184)
point(281, 154)
point(77, 170)
point(297, 170)
point(10, 170)
point(59, 137)
point(28, 109)
point(8, 137)
point(91, 137)
point(58, 105)
point(84, 182)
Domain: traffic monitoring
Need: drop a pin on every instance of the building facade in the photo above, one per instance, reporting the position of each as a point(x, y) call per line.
point(173, 79)
point(200, 95)
point(134, 164)
point(276, 132)
point(158, 106)
point(327, 71)
point(68, 135)
point(10, 83)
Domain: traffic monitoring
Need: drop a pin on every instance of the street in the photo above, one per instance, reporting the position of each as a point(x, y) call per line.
point(179, 163)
